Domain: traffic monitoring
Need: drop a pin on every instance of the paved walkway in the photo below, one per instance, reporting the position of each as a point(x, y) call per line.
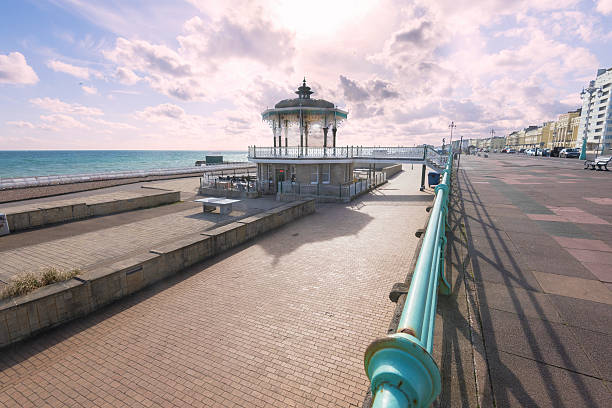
point(281, 321)
point(93, 242)
point(540, 244)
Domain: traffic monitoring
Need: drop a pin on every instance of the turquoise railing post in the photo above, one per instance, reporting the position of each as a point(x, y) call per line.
point(401, 369)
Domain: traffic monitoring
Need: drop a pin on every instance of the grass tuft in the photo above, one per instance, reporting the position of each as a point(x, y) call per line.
point(27, 282)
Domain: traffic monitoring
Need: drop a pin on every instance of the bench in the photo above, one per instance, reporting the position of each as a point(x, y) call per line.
point(598, 162)
point(212, 203)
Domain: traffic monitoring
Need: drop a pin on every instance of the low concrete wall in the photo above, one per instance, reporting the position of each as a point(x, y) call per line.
point(215, 192)
point(55, 304)
point(391, 171)
point(54, 215)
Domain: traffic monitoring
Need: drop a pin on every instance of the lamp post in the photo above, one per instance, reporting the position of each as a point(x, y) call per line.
point(590, 91)
point(451, 127)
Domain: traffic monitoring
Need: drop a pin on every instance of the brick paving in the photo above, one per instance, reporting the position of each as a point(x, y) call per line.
point(540, 246)
point(281, 321)
point(81, 246)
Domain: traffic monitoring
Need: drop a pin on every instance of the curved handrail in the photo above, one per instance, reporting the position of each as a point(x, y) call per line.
point(400, 367)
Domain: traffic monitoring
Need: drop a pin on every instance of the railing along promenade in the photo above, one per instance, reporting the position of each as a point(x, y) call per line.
point(417, 154)
point(401, 369)
point(40, 181)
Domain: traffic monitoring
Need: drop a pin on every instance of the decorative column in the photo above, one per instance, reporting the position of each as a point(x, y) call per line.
point(325, 129)
point(334, 130)
point(286, 133)
point(274, 134)
point(306, 137)
point(301, 133)
point(280, 143)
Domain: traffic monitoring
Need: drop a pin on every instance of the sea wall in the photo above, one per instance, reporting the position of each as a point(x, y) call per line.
point(25, 316)
point(52, 215)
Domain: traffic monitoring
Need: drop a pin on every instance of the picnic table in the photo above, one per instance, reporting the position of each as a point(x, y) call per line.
point(210, 204)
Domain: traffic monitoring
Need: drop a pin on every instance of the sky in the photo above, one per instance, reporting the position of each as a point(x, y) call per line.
point(196, 74)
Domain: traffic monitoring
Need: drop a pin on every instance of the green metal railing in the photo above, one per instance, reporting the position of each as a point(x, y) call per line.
point(401, 369)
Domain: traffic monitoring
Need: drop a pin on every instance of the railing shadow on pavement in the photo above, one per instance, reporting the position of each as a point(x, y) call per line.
point(511, 388)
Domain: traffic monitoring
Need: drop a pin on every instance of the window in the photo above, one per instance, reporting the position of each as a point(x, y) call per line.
point(604, 100)
point(597, 130)
point(605, 93)
point(602, 108)
point(596, 137)
point(325, 173)
point(292, 175)
point(599, 123)
point(314, 174)
point(601, 115)
point(607, 85)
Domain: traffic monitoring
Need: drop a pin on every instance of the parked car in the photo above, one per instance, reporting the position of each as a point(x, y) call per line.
point(494, 150)
point(555, 151)
point(511, 151)
point(545, 153)
point(505, 150)
point(530, 152)
point(570, 153)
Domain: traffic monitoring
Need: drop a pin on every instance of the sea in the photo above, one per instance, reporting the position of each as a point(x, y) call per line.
point(27, 163)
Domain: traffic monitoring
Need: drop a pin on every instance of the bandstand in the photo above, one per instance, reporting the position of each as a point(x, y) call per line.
point(315, 165)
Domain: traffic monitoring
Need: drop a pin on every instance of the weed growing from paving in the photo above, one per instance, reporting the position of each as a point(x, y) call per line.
point(29, 281)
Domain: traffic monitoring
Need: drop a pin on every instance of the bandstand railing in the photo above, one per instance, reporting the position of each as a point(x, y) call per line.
point(401, 369)
point(357, 152)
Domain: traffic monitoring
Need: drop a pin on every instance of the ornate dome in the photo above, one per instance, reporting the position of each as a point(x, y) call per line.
point(303, 99)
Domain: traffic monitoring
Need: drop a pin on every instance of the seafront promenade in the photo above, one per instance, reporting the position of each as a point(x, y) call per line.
point(539, 262)
point(280, 321)
point(284, 319)
point(102, 240)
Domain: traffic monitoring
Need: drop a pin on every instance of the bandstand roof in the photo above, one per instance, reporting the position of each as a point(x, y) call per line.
point(305, 105)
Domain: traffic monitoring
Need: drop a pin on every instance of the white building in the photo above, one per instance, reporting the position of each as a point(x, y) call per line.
point(599, 111)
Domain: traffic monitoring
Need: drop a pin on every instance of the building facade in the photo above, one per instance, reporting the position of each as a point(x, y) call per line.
point(596, 107)
point(565, 133)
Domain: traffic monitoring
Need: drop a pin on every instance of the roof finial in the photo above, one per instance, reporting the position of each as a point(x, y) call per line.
point(304, 81)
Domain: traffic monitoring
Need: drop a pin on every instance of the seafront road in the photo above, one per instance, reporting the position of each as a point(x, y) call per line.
point(539, 237)
point(283, 320)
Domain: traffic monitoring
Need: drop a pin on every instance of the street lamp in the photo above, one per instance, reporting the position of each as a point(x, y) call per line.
point(451, 127)
point(590, 91)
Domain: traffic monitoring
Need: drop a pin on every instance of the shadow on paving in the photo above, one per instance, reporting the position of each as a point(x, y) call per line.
point(350, 222)
point(453, 335)
point(24, 350)
point(532, 360)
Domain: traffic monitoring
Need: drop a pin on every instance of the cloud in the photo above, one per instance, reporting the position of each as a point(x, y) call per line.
point(418, 35)
point(59, 66)
point(257, 40)
point(242, 47)
point(126, 76)
point(57, 106)
point(15, 70)
point(163, 68)
point(376, 89)
point(89, 90)
point(21, 124)
point(604, 7)
point(144, 56)
point(161, 112)
point(108, 126)
point(351, 90)
point(63, 121)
